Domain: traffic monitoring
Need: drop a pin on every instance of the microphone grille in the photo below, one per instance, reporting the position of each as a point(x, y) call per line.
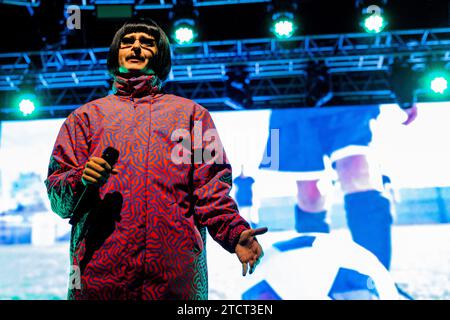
point(110, 155)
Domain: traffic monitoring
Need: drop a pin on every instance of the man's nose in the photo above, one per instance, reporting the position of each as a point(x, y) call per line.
point(136, 50)
point(136, 45)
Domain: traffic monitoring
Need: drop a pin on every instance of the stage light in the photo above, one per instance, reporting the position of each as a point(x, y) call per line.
point(318, 84)
point(184, 31)
point(435, 79)
point(283, 25)
point(372, 18)
point(183, 18)
point(375, 23)
point(439, 84)
point(282, 14)
point(27, 104)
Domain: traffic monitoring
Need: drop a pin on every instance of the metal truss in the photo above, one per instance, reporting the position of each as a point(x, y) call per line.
point(358, 64)
point(283, 92)
point(27, 3)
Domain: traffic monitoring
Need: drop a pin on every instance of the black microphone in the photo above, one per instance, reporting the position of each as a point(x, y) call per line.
point(110, 155)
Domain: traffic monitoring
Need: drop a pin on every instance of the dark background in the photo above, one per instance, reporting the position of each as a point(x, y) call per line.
point(23, 32)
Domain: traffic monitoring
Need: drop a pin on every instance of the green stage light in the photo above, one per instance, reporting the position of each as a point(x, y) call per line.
point(283, 25)
point(284, 28)
point(372, 15)
point(184, 35)
point(26, 104)
point(434, 82)
point(374, 23)
point(439, 84)
point(184, 32)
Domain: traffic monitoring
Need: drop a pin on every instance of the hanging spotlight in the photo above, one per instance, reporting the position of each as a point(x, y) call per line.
point(26, 103)
point(437, 78)
point(318, 84)
point(439, 85)
point(283, 24)
point(184, 31)
point(26, 100)
point(372, 18)
point(26, 106)
point(184, 22)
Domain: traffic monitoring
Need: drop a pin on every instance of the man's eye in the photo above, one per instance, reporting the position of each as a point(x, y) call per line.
point(148, 42)
point(127, 41)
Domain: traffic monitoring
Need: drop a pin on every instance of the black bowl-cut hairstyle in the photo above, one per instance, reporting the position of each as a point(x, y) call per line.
point(162, 61)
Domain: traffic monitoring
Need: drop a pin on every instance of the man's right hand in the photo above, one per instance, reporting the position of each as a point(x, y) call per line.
point(96, 172)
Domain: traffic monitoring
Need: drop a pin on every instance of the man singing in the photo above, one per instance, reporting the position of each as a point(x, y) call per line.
point(139, 230)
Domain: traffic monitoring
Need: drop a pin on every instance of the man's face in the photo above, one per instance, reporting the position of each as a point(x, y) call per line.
point(136, 51)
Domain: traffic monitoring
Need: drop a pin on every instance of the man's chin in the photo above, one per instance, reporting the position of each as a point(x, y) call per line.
point(135, 69)
point(132, 69)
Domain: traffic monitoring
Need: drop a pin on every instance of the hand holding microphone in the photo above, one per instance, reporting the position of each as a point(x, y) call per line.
point(97, 170)
point(95, 174)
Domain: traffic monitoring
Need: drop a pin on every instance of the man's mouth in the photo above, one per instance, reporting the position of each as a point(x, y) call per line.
point(135, 59)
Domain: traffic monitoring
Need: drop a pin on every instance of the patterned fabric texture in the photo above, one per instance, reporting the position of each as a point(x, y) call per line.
point(127, 85)
point(142, 236)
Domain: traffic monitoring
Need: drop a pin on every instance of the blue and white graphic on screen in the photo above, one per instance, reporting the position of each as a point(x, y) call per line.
point(319, 267)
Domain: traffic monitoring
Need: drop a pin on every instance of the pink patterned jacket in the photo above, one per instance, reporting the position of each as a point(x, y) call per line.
point(143, 236)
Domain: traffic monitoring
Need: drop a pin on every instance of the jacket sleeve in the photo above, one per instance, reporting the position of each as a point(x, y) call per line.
point(67, 160)
point(212, 181)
